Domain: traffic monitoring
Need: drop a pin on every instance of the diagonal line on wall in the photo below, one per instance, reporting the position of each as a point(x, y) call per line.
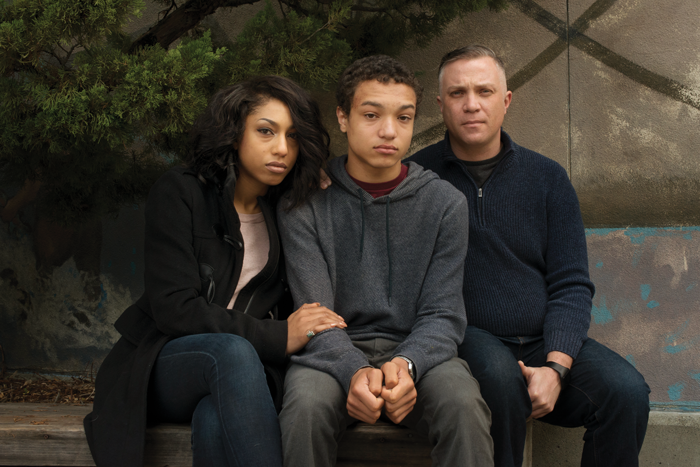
point(529, 71)
point(558, 27)
point(637, 73)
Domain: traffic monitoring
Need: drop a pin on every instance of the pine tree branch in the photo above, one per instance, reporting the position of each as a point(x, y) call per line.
point(57, 57)
point(167, 12)
point(367, 9)
point(184, 18)
point(284, 15)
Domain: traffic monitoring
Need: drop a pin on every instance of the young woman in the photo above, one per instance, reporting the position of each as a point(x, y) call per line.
point(203, 341)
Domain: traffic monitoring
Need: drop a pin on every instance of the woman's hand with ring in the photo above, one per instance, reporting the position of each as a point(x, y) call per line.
point(307, 321)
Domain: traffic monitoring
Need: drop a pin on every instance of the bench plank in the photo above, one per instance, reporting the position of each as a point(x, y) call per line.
point(383, 445)
point(52, 435)
point(43, 434)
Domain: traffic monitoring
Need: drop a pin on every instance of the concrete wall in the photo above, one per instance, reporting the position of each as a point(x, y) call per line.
point(610, 89)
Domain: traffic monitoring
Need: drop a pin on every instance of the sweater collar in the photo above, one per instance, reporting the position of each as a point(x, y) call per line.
point(508, 145)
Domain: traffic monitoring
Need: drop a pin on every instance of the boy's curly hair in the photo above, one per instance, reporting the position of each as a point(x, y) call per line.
point(380, 67)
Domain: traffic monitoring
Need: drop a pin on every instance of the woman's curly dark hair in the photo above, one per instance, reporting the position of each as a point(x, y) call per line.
point(212, 155)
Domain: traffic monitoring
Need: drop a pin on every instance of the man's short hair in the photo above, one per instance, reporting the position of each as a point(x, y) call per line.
point(380, 67)
point(469, 52)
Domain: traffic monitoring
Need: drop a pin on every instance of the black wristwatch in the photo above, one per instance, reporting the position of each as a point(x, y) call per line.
point(562, 370)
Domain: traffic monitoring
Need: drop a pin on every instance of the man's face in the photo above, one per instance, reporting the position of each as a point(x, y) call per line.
point(379, 129)
point(474, 100)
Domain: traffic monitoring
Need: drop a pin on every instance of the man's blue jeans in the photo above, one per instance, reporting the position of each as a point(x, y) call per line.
point(605, 394)
point(218, 382)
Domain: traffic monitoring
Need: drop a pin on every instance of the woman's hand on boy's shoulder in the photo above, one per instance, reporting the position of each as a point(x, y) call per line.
point(325, 180)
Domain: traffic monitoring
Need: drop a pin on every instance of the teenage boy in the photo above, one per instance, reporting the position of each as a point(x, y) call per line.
point(384, 247)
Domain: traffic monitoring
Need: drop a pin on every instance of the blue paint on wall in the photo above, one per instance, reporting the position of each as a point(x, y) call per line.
point(675, 346)
point(675, 392)
point(599, 264)
point(600, 313)
point(637, 235)
point(682, 406)
point(673, 349)
point(652, 304)
point(600, 232)
point(671, 338)
point(691, 287)
point(637, 256)
point(133, 251)
point(133, 268)
point(695, 376)
point(636, 240)
point(631, 360)
point(646, 290)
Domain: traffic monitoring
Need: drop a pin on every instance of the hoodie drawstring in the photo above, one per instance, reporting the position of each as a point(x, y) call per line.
point(388, 237)
point(362, 215)
point(388, 247)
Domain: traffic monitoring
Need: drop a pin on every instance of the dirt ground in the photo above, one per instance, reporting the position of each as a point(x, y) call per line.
point(39, 388)
point(24, 387)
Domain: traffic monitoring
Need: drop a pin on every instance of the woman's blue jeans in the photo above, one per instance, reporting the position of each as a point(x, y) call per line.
point(217, 382)
point(605, 394)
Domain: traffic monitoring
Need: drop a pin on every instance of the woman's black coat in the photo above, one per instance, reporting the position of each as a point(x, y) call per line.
point(194, 254)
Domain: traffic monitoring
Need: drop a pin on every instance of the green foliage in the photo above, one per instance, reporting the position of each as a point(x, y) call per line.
point(83, 116)
point(96, 123)
point(389, 26)
point(304, 48)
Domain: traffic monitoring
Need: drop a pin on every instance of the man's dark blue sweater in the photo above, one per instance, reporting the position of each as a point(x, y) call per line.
point(526, 272)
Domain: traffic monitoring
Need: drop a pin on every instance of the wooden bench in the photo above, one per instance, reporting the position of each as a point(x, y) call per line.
point(52, 435)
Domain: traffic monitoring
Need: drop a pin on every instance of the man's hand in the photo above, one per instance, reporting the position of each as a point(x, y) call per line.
point(543, 384)
point(398, 392)
point(364, 401)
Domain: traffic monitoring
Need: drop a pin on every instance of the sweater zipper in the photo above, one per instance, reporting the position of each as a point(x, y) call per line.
point(481, 206)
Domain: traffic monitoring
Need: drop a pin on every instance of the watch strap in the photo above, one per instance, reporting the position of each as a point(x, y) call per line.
point(562, 370)
point(411, 366)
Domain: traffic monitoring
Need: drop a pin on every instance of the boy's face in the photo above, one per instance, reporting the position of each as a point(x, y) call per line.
point(379, 129)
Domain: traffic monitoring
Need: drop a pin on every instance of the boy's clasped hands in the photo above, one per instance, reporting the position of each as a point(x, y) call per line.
point(390, 388)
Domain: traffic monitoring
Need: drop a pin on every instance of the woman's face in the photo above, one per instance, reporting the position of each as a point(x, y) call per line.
point(268, 148)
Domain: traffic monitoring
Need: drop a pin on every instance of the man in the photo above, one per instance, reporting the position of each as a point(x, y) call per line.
point(384, 247)
point(526, 287)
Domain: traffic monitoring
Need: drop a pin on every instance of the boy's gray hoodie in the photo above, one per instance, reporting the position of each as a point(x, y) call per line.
point(392, 267)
